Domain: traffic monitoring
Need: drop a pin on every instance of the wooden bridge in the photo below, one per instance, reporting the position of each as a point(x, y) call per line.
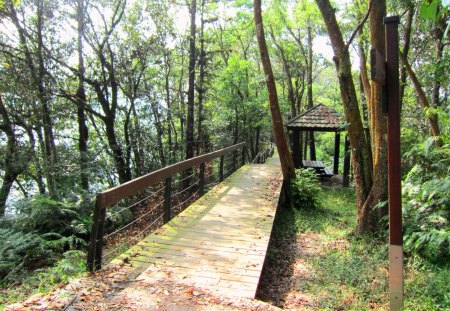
point(217, 244)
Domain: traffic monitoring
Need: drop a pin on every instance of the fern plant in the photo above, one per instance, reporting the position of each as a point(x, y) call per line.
point(305, 189)
point(426, 205)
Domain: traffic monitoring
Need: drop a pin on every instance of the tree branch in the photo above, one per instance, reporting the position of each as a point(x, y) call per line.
point(360, 25)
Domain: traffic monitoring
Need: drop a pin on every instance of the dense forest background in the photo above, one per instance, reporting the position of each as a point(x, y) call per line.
point(94, 93)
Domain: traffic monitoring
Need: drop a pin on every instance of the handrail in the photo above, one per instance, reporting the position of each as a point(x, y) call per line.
point(112, 196)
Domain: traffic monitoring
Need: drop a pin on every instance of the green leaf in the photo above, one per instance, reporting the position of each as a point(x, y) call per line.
point(429, 10)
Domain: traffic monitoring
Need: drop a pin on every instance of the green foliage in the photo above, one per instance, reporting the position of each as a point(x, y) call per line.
point(43, 230)
point(305, 190)
point(72, 264)
point(42, 214)
point(427, 203)
point(348, 272)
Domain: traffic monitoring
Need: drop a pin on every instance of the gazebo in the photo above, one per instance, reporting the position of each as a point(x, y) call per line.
point(319, 118)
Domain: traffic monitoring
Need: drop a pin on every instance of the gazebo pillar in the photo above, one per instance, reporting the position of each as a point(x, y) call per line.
point(296, 147)
point(337, 141)
point(346, 180)
point(312, 146)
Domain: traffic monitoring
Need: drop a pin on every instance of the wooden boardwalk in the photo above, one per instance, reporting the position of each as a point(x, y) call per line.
point(219, 243)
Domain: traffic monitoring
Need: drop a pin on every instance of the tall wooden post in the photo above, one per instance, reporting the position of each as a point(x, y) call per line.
point(346, 176)
point(312, 146)
point(296, 148)
point(337, 142)
point(394, 164)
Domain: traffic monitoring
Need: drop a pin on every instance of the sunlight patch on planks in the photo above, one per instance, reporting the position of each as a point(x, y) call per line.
point(219, 243)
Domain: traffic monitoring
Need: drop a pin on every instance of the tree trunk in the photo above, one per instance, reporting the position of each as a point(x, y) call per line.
point(37, 74)
point(438, 33)
point(287, 164)
point(169, 108)
point(200, 88)
point(190, 144)
point(47, 122)
point(81, 99)
point(15, 161)
point(312, 144)
point(159, 132)
point(406, 46)
point(361, 151)
point(287, 73)
point(368, 218)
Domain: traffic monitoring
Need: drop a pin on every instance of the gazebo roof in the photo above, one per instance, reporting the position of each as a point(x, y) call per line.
point(318, 118)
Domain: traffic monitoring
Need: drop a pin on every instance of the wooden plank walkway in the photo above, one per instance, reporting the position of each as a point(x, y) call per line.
point(219, 243)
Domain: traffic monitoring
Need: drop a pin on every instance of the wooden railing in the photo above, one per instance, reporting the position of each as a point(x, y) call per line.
point(262, 156)
point(111, 196)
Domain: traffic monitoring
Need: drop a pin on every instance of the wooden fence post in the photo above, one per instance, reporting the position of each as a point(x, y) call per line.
point(221, 168)
point(99, 246)
point(244, 151)
point(93, 237)
point(201, 183)
point(167, 199)
point(94, 260)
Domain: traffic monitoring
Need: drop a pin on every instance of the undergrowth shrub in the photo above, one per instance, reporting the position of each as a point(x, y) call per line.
point(40, 232)
point(426, 205)
point(72, 264)
point(305, 189)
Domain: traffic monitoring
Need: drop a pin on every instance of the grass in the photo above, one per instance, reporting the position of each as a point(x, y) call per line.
point(349, 272)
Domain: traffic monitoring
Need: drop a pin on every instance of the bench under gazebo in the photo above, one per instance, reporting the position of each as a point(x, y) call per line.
point(320, 118)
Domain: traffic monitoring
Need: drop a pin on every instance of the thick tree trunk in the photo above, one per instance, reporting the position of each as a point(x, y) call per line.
point(190, 144)
point(361, 151)
point(368, 218)
point(287, 164)
point(118, 156)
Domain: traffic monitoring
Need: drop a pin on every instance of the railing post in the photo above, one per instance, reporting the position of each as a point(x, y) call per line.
point(221, 168)
point(244, 149)
point(201, 183)
point(94, 260)
point(167, 199)
point(99, 246)
point(93, 237)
